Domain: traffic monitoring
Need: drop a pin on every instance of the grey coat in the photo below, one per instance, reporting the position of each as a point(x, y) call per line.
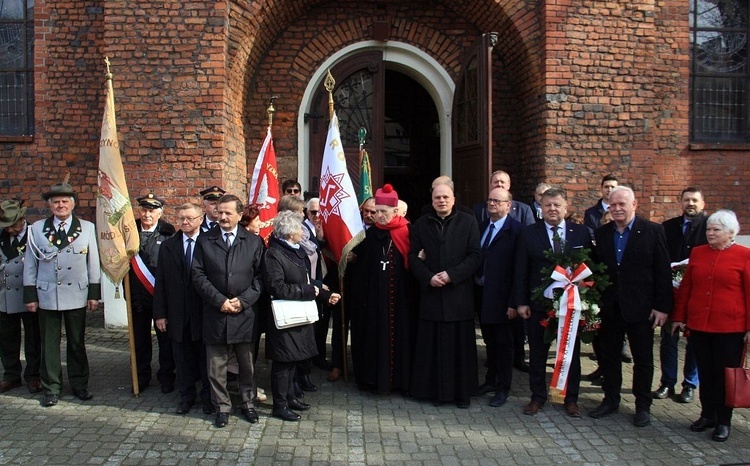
point(11, 274)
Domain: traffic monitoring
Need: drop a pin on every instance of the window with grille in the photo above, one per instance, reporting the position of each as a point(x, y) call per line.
point(16, 67)
point(719, 78)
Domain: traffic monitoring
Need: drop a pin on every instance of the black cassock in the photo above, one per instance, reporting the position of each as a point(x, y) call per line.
point(383, 319)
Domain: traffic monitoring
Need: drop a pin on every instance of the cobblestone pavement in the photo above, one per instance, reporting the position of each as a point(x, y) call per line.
point(345, 426)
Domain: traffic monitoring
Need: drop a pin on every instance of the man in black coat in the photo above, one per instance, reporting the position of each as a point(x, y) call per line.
point(152, 231)
point(227, 273)
point(683, 233)
point(534, 241)
point(494, 298)
point(638, 300)
point(444, 255)
point(178, 310)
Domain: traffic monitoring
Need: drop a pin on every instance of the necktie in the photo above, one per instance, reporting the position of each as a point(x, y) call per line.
point(687, 226)
point(61, 230)
point(15, 244)
point(211, 225)
point(488, 238)
point(189, 252)
point(228, 240)
point(556, 243)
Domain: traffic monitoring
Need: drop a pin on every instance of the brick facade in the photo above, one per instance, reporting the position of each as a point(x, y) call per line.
point(581, 88)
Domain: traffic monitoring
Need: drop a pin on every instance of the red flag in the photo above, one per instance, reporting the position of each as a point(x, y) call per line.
point(264, 187)
point(338, 200)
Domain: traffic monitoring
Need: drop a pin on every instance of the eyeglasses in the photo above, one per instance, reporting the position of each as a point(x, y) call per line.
point(314, 212)
point(292, 191)
point(495, 201)
point(188, 219)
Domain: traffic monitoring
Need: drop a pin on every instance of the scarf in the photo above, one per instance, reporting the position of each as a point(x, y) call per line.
point(399, 234)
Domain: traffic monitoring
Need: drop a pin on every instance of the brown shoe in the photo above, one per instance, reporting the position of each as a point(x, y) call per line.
point(334, 375)
point(6, 385)
point(35, 386)
point(532, 408)
point(572, 409)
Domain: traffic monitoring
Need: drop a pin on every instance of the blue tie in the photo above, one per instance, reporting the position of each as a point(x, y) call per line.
point(189, 252)
point(488, 238)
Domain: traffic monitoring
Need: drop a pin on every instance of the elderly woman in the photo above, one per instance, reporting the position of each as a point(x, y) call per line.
point(713, 302)
point(287, 277)
point(251, 219)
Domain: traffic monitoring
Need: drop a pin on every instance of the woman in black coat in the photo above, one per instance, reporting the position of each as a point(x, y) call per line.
point(287, 278)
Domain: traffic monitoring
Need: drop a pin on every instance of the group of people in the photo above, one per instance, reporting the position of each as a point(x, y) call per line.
point(415, 292)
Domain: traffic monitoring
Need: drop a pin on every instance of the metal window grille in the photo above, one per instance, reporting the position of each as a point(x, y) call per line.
point(16, 67)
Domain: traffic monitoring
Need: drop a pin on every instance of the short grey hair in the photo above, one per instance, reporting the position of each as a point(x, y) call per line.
point(286, 224)
point(311, 201)
point(621, 188)
point(727, 220)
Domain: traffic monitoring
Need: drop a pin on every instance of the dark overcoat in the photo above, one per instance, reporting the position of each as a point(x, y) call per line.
point(498, 270)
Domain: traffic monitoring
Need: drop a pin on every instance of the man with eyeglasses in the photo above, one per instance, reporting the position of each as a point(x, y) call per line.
point(152, 231)
point(211, 198)
point(292, 188)
point(178, 309)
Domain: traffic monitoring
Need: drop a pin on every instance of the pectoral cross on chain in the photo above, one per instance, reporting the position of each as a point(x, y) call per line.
point(385, 263)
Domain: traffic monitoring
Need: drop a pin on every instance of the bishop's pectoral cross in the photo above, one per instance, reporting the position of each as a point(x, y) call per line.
point(384, 264)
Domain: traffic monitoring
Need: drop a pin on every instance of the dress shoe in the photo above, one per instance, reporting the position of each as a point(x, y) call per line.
point(83, 395)
point(687, 395)
point(594, 375)
point(720, 433)
point(221, 420)
point(486, 388)
point(298, 405)
point(572, 409)
point(306, 384)
point(642, 418)
point(183, 408)
point(6, 385)
point(208, 407)
point(251, 415)
point(604, 409)
point(532, 408)
point(463, 404)
point(662, 392)
point(702, 424)
point(499, 399)
point(285, 414)
point(298, 392)
point(334, 375)
point(50, 399)
point(167, 388)
point(35, 386)
point(522, 366)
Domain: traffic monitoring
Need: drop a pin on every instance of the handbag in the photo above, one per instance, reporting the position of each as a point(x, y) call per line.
point(737, 384)
point(288, 313)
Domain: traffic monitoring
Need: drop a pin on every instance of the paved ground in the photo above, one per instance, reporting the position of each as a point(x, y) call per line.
point(345, 426)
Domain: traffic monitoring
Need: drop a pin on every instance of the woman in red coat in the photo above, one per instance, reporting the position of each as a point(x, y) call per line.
point(713, 302)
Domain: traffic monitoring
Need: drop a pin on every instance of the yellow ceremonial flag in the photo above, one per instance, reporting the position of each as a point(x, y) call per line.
point(117, 235)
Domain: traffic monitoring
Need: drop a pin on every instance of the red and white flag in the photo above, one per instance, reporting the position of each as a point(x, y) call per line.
point(264, 187)
point(338, 199)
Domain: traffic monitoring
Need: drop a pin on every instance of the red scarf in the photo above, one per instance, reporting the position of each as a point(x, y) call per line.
point(400, 236)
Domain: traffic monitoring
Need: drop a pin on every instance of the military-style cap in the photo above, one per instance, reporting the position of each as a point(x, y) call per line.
point(59, 189)
point(213, 193)
point(11, 212)
point(150, 201)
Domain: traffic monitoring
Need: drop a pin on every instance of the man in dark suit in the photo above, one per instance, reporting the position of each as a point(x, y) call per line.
point(495, 304)
point(683, 233)
point(554, 232)
point(593, 215)
point(227, 268)
point(178, 309)
point(638, 300)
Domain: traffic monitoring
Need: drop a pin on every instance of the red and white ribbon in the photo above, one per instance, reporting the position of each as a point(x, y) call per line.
point(143, 273)
point(569, 316)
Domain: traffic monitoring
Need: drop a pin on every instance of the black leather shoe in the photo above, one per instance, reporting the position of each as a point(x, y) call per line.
point(662, 392)
point(306, 384)
point(721, 433)
point(522, 366)
point(499, 399)
point(702, 424)
point(298, 392)
point(604, 409)
point(285, 414)
point(298, 405)
point(486, 388)
point(49, 400)
point(642, 418)
point(687, 395)
point(183, 408)
point(250, 415)
point(208, 407)
point(83, 395)
point(221, 420)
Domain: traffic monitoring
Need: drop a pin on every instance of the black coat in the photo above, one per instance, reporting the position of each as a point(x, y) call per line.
point(450, 245)
point(149, 253)
point(680, 246)
point(643, 279)
point(175, 297)
point(221, 273)
point(287, 278)
point(498, 268)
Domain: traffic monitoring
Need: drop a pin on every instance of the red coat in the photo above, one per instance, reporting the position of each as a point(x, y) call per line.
point(714, 295)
